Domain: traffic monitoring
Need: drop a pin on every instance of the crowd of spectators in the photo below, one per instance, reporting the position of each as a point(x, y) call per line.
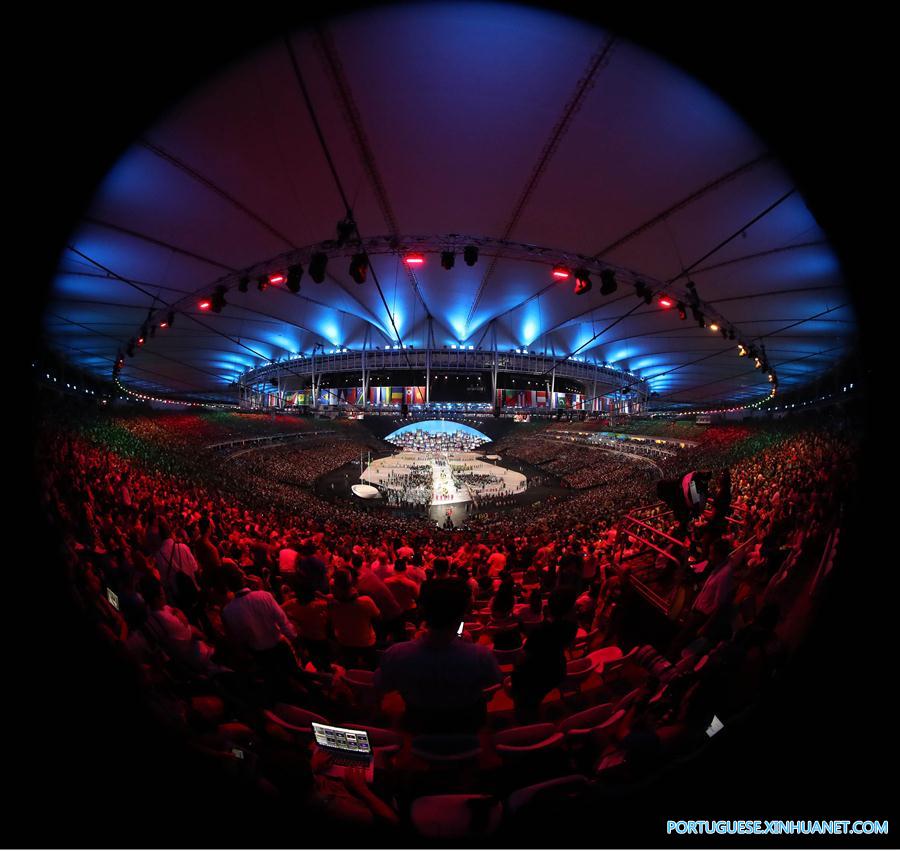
point(301, 463)
point(239, 590)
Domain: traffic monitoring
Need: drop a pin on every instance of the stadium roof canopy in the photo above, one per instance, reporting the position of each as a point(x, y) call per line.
point(499, 124)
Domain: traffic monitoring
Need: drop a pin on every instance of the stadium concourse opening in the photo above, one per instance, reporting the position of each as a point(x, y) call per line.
point(450, 502)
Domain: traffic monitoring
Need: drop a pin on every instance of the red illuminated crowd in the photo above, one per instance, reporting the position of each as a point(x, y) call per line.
point(246, 603)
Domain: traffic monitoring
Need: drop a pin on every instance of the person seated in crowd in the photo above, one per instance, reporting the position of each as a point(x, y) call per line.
point(485, 583)
point(390, 622)
point(288, 557)
point(531, 579)
point(531, 612)
point(255, 624)
point(496, 562)
point(503, 625)
point(206, 553)
point(352, 617)
point(462, 574)
point(586, 605)
point(441, 677)
point(404, 590)
point(542, 666)
point(178, 569)
point(107, 620)
point(308, 611)
point(311, 569)
point(711, 611)
point(169, 628)
point(440, 573)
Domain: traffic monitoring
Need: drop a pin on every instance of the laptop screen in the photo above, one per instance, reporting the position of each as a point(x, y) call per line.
point(344, 739)
point(714, 727)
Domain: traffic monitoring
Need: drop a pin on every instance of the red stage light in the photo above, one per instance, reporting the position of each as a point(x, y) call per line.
point(665, 302)
point(276, 278)
point(561, 272)
point(205, 304)
point(140, 341)
point(163, 324)
point(414, 259)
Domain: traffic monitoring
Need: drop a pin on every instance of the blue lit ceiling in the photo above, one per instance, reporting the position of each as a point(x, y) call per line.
point(456, 105)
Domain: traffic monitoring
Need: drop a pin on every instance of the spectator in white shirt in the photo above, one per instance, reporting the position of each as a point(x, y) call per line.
point(287, 559)
point(169, 628)
point(174, 558)
point(255, 623)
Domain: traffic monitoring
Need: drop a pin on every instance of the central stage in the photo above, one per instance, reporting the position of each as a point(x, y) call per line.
point(444, 483)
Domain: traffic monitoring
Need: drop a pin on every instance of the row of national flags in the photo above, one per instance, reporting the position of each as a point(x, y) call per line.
point(512, 398)
point(397, 395)
point(378, 395)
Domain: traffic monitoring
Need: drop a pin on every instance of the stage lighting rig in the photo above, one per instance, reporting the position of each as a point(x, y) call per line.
point(317, 265)
point(698, 316)
point(218, 299)
point(582, 282)
point(262, 283)
point(448, 258)
point(608, 283)
point(294, 274)
point(359, 267)
point(692, 293)
point(244, 284)
point(470, 255)
point(345, 229)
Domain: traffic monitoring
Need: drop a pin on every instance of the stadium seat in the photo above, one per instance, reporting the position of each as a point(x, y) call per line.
point(362, 685)
point(582, 644)
point(291, 722)
point(613, 669)
point(508, 658)
point(530, 743)
point(577, 672)
point(586, 719)
point(528, 796)
point(456, 815)
point(446, 750)
point(474, 629)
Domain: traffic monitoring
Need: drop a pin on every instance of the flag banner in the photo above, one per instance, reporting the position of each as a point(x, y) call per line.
point(380, 395)
point(569, 400)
